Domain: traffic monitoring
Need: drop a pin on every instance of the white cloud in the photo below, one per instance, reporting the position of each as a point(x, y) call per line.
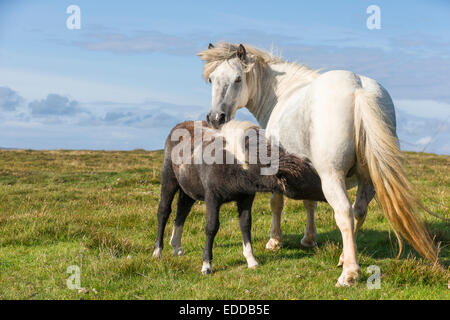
point(35, 85)
point(9, 99)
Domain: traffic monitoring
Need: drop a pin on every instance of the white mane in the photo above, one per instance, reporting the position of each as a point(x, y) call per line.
point(269, 77)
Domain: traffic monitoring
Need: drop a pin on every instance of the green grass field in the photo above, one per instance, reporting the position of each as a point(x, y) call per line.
point(97, 210)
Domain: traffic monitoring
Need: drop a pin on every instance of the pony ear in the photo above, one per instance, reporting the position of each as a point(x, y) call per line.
point(241, 52)
point(210, 46)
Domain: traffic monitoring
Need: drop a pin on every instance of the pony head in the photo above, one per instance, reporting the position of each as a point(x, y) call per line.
point(228, 68)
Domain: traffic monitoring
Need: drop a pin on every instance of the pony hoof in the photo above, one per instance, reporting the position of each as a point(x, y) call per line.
point(157, 253)
point(178, 252)
point(308, 243)
point(273, 244)
point(348, 278)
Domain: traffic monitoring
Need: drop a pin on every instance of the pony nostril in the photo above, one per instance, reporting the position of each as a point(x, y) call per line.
point(222, 118)
point(207, 118)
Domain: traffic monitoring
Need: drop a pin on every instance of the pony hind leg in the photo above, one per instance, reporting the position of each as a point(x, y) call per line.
point(364, 195)
point(245, 221)
point(276, 204)
point(169, 187)
point(184, 206)
point(309, 239)
point(334, 189)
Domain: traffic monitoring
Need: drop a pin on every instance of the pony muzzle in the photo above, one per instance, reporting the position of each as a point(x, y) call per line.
point(216, 119)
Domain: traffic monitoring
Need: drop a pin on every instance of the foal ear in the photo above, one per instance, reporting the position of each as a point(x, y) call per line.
point(241, 52)
point(210, 46)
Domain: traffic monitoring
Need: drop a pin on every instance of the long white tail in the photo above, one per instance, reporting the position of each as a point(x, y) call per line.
point(377, 150)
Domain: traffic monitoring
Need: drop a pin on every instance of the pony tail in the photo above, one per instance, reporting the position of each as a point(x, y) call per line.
point(378, 152)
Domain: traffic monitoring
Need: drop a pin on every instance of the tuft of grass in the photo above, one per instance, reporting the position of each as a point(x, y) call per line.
point(97, 210)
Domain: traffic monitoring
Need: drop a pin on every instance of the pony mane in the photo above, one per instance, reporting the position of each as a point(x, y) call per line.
point(224, 51)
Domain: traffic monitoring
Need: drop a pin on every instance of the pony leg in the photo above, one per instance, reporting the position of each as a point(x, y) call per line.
point(245, 221)
point(276, 204)
point(183, 208)
point(335, 192)
point(211, 228)
point(169, 187)
point(309, 239)
point(364, 195)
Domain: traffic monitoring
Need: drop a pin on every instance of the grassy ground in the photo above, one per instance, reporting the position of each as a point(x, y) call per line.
point(97, 210)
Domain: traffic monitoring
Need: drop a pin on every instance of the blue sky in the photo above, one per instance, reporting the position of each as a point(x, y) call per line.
point(130, 72)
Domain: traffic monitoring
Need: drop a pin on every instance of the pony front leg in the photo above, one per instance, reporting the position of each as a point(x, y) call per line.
point(309, 239)
point(276, 204)
point(211, 228)
point(335, 192)
point(245, 221)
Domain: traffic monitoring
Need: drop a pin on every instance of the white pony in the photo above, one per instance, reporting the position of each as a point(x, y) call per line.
point(342, 122)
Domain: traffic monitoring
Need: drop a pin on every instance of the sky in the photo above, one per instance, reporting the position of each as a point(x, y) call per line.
point(130, 72)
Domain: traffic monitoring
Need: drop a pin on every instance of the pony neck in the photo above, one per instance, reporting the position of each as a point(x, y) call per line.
point(272, 82)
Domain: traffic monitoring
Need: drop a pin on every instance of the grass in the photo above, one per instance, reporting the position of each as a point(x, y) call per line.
point(97, 210)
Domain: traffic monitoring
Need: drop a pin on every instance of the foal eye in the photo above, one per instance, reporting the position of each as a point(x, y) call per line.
point(238, 79)
point(209, 80)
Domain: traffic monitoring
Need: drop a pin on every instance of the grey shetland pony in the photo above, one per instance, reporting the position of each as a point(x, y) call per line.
point(217, 183)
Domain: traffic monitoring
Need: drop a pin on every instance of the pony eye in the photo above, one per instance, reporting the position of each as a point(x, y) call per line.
point(238, 79)
point(209, 80)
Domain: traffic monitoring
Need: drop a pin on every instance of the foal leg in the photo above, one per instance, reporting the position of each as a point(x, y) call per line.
point(364, 195)
point(169, 187)
point(309, 239)
point(245, 221)
point(183, 208)
point(333, 186)
point(211, 228)
point(276, 204)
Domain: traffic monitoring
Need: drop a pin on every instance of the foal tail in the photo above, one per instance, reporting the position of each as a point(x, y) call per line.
point(377, 150)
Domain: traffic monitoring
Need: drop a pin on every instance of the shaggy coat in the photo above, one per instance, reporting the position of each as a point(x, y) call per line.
point(219, 183)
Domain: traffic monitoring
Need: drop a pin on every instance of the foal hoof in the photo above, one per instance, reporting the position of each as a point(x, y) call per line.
point(157, 253)
point(273, 244)
point(178, 252)
point(206, 272)
point(206, 268)
point(308, 243)
point(252, 264)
